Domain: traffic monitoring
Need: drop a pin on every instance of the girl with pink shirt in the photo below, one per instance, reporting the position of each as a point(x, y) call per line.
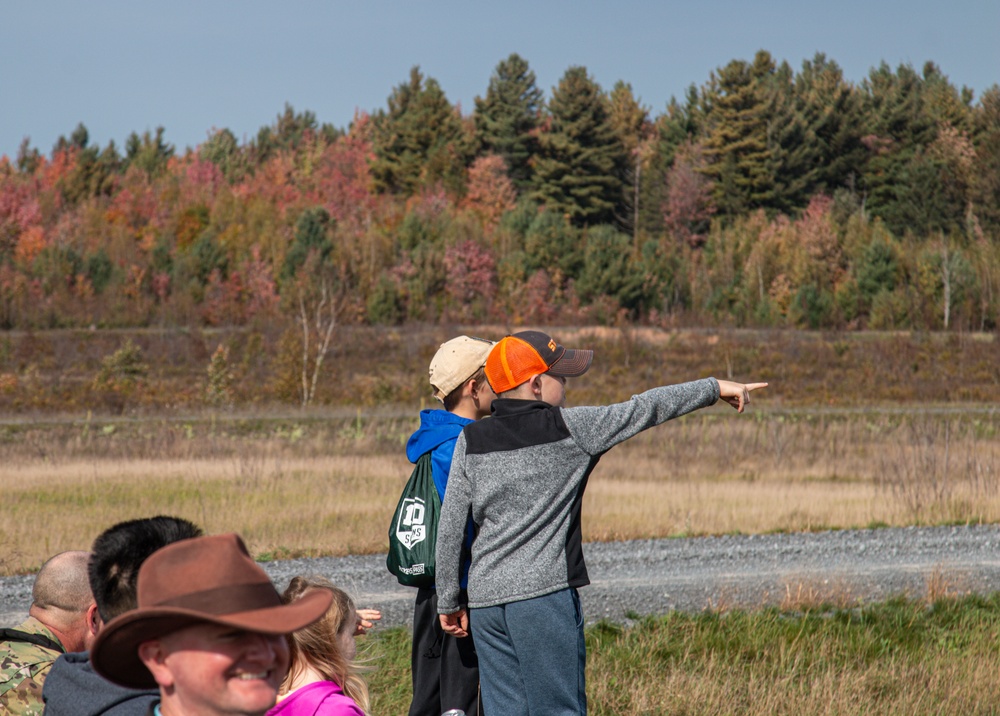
point(323, 679)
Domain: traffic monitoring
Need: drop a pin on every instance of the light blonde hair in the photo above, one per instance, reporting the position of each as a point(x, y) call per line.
point(317, 644)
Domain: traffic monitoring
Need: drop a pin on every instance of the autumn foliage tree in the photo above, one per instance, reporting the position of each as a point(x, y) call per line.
point(491, 193)
point(766, 196)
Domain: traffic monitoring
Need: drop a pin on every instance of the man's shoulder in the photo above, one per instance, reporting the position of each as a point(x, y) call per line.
point(439, 416)
point(23, 666)
point(24, 698)
point(30, 626)
point(72, 688)
point(517, 424)
point(17, 654)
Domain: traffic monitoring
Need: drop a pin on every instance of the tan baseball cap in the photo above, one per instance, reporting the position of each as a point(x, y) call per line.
point(455, 362)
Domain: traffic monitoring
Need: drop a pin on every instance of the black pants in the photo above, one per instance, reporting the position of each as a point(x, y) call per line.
point(445, 669)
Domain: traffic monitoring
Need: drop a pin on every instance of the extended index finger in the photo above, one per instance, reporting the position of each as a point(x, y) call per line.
point(755, 386)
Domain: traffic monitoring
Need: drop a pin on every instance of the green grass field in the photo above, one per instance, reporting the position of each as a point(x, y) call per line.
point(898, 657)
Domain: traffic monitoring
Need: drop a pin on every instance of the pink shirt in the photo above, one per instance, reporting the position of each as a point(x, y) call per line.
point(320, 698)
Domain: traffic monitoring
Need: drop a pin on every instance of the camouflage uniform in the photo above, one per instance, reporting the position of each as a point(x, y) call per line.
point(23, 667)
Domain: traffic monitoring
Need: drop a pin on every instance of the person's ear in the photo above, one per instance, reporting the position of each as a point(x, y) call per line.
point(94, 621)
point(535, 382)
point(154, 656)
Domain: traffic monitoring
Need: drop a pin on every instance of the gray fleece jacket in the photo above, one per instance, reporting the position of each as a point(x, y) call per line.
point(521, 474)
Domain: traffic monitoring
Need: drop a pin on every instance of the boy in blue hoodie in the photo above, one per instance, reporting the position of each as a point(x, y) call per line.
point(445, 668)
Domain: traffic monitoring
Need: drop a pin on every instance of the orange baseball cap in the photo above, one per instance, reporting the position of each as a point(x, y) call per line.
point(517, 357)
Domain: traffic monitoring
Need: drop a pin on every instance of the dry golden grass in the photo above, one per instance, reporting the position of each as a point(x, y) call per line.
point(328, 487)
point(282, 506)
point(714, 475)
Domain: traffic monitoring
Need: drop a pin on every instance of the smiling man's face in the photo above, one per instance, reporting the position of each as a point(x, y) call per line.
point(209, 669)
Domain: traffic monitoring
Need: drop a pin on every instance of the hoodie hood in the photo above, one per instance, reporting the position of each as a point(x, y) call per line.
point(436, 427)
point(437, 434)
point(73, 688)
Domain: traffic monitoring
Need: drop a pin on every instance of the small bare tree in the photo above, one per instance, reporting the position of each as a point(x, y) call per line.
point(947, 269)
point(320, 302)
point(316, 293)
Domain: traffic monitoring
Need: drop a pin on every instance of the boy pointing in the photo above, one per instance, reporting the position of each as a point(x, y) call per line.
point(521, 475)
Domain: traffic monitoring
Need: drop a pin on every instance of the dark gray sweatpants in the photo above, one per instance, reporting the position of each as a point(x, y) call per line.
point(445, 669)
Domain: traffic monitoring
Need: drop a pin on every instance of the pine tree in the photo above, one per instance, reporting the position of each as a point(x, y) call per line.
point(630, 121)
point(313, 232)
point(831, 109)
point(910, 186)
point(943, 101)
point(290, 131)
point(792, 148)
point(610, 268)
point(896, 128)
point(28, 157)
point(148, 153)
point(579, 169)
point(671, 130)
point(222, 149)
point(93, 171)
point(736, 143)
point(420, 141)
point(986, 185)
point(507, 118)
point(553, 245)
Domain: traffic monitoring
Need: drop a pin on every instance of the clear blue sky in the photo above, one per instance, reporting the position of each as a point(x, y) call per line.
point(190, 65)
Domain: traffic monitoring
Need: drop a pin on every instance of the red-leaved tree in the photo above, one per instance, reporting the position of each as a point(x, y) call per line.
point(490, 193)
point(689, 206)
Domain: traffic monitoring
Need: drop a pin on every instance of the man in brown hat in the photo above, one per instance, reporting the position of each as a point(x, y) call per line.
point(209, 631)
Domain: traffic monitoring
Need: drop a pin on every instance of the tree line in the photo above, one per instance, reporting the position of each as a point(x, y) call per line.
point(766, 196)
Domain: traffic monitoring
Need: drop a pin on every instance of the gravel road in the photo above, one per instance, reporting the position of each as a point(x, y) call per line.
point(656, 576)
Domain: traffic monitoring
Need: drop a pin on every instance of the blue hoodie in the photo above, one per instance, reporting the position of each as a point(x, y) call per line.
point(438, 432)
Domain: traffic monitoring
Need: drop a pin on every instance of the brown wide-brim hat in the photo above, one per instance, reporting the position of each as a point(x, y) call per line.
point(203, 580)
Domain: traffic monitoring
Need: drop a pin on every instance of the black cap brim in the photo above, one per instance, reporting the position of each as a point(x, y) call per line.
point(574, 362)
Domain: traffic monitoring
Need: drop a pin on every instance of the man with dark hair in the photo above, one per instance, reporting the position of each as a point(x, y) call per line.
point(119, 551)
point(73, 688)
point(58, 621)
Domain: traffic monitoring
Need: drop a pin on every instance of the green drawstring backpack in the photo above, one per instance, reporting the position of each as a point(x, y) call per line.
point(413, 532)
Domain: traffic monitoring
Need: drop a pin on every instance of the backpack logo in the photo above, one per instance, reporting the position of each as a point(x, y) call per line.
point(410, 527)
